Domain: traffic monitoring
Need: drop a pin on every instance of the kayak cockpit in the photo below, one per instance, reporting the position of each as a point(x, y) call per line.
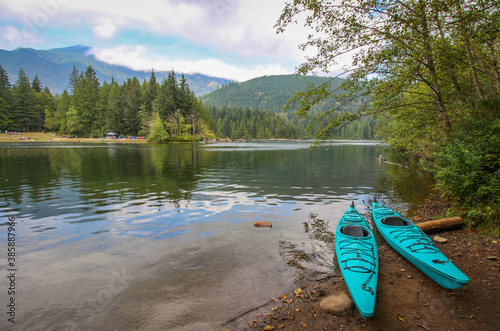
point(395, 221)
point(354, 231)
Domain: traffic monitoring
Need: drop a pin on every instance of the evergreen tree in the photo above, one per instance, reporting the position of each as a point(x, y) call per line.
point(36, 85)
point(4, 80)
point(164, 102)
point(24, 110)
point(171, 84)
point(152, 87)
point(5, 101)
point(132, 103)
point(74, 76)
point(102, 109)
point(186, 97)
point(5, 117)
point(114, 115)
point(146, 109)
point(149, 94)
point(85, 102)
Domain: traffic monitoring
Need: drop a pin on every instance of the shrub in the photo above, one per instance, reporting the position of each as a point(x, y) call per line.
point(157, 131)
point(466, 167)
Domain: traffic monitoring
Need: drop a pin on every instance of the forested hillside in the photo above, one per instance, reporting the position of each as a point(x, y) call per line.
point(270, 94)
point(239, 123)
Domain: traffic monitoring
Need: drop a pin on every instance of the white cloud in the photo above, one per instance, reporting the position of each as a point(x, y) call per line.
point(25, 37)
point(105, 31)
point(244, 27)
point(242, 30)
point(141, 58)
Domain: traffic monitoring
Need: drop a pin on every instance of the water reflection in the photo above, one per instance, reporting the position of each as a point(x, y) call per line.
point(315, 256)
point(112, 188)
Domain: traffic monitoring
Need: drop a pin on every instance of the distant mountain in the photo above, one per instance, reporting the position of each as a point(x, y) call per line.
point(268, 93)
point(54, 66)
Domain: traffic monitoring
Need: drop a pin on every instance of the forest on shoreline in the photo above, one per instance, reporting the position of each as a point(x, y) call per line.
point(162, 111)
point(165, 110)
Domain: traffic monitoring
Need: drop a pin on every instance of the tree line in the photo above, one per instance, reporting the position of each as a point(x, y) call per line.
point(163, 111)
point(166, 111)
point(91, 109)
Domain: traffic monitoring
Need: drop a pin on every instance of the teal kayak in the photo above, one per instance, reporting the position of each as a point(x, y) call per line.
point(357, 256)
point(411, 242)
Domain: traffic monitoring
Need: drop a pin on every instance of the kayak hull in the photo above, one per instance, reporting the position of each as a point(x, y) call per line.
point(357, 256)
point(413, 244)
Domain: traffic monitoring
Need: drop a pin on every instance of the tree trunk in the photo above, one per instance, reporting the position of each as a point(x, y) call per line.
point(494, 63)
point(434, 83)
point(482, 65)
point(444, 224)
point(475, 80)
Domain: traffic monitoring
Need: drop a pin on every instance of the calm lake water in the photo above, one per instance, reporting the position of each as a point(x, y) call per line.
point(148, 236)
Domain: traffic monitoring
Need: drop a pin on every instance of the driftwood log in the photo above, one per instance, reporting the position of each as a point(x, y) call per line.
point(263, 224)
point(381, 159)
point(444, 224)
point(396, 164)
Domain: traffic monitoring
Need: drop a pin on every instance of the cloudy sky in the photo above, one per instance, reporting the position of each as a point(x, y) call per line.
point(233, 39)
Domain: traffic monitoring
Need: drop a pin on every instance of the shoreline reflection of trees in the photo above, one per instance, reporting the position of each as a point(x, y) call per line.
point(314, 260)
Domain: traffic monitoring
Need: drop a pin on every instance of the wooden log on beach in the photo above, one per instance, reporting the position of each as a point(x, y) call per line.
point(444, 224)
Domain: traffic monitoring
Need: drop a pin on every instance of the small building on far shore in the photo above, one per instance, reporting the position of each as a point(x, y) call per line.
point(111, 135)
